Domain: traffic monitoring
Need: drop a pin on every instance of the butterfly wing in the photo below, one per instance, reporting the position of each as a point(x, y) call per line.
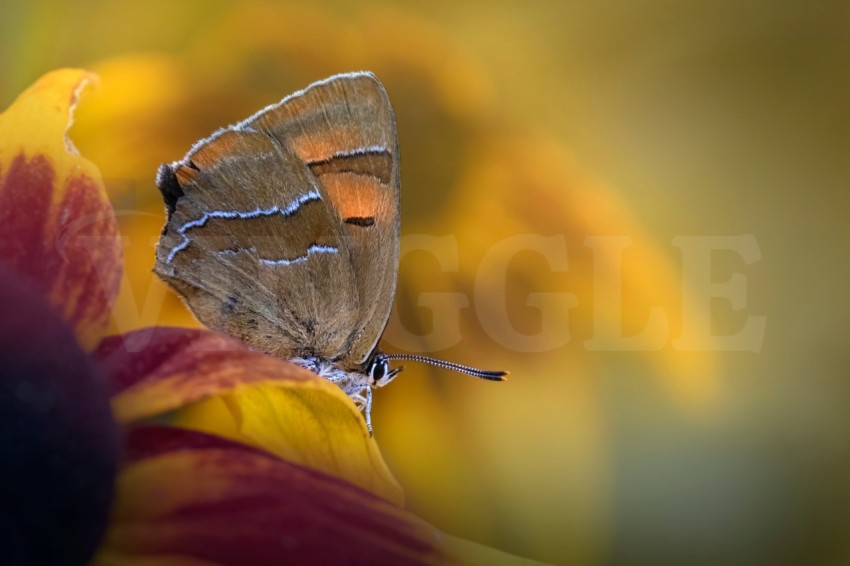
point(283, 229)
point(252, 246)
point(344, 130)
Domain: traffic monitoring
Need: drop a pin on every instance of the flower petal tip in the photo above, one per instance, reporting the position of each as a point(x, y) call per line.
point(57, 226)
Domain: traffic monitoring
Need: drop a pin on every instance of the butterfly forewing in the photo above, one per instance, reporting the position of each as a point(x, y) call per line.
point(344, 130)
point(283, 229)
point(252, 243)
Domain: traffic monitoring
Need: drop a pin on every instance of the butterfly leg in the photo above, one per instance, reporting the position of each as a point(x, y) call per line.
point(363, 401)
point(359, 400)
point(368, 410)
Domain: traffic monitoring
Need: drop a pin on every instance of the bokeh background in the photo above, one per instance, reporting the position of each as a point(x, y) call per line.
point(551, 154)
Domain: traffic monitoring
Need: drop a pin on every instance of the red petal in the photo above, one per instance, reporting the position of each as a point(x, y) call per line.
point(188, 495)
point(160, 369)
point(224, 388)
point(57, 226)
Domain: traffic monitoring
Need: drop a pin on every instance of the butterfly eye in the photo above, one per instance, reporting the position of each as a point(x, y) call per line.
point(380, 372)
point(379, 368)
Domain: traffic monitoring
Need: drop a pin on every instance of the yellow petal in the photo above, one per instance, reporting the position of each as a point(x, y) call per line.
point(211, 383)
point(311, 422)
point(57, 227)
point(184, 496)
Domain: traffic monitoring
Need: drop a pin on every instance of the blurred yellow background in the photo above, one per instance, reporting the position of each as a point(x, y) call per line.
point(562, 166)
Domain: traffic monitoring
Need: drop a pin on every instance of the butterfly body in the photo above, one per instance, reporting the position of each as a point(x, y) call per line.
point(283, 230)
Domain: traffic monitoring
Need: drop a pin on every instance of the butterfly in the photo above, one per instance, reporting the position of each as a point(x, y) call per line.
point(283, 231)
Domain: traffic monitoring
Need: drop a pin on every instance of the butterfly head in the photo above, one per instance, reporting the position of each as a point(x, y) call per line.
point(378, 370)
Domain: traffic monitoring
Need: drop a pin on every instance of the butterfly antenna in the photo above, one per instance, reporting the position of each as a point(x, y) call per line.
point(480, 373)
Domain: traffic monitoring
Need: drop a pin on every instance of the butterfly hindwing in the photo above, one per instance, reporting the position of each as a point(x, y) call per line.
point(344, 130)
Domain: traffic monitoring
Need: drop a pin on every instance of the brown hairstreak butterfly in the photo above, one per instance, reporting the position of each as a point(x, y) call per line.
point(283, 231)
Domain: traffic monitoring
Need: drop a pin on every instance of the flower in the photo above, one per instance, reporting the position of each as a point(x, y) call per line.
point(475, 459)
point(58, 443)
point(229, 456)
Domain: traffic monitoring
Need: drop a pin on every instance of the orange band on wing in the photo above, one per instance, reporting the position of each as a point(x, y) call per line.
point(358, 196)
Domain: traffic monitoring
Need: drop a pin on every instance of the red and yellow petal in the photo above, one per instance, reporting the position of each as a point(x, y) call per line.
point(57, 227)
point(204, 381)
point(185, 497)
